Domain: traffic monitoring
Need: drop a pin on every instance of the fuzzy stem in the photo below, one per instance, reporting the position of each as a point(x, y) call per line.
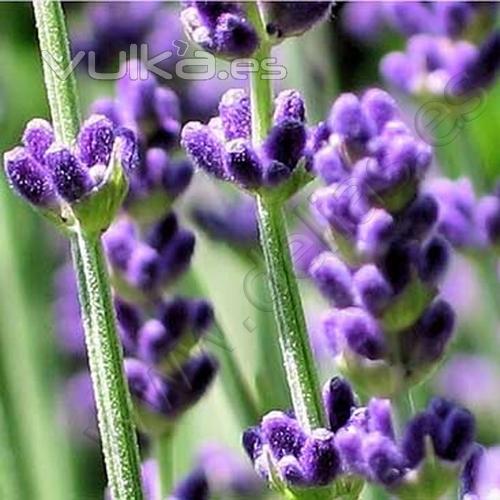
point(114, 408)
point(294, 342)
point(164, 454)
point(296, 351)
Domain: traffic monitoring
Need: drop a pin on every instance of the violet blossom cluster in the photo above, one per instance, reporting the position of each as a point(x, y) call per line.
point(112, 28)
point(166, 368)
point(467, 221)
point(452, 19)
point(152, 111)
point(227, 30)
point(361, 442)
point(435, 65)
point(388, 328)
point(223, 148)
point(51, 175)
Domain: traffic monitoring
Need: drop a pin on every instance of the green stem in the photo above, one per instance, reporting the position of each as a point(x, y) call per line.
point(296, 351)
point(54, 49)
point(114, 407)
point(164, 454)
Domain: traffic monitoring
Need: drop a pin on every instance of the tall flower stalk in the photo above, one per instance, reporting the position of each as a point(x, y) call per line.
point(104, 351)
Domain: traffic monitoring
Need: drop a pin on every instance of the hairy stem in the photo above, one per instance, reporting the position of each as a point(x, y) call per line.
point(114, 408)
point(296, 351)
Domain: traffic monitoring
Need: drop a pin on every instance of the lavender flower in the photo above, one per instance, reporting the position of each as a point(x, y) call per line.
point(439, 66)
point(453, 19)
point(220, 27)
point(387, 329)
point(224, 150)
point(361, 442)
point(481, 478)
point(286, 19)
point(113, 28)
point(52, 176)
point(466, 221)
point(146, 264)
point(152, 111)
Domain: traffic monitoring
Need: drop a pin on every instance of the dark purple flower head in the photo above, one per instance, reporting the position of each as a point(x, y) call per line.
point(339, 402)
point(149, 262)
point(223, 148)
point(285, 19)
point(222, 28)
point(48, 174)
point(169, 395)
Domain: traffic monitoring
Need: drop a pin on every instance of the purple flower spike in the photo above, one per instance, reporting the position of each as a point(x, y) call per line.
point(194, 487)
point(379, 106)
point(119, 242)
point(71, 178)
point(291, 471)
point(234, 111)
point(413, 441)
point(174, 315)
point(434, 259)
point(329, 164)
point(234, 35)
point(374, 232)
point(373, 289)
point(348, 120)
point(161, 233)
point(434, 330)
point(339, 402)
point(95, 141)
point(333, 279)
point(205, 149)
point(361, 332)
point(252, 442)
point(488, 216)
point(456, 435)
point(29, 178)
point(419, 218)
point(319, 458)
point(38, 137)
point(221, 28)
point(243, 164)
point(286, 142)
point(385, 462)
point(287, 19)
point(143, 267)
point(196, 376)
point(381, 417)
point(283, 434)
point(153, 341)
point(289, 105)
